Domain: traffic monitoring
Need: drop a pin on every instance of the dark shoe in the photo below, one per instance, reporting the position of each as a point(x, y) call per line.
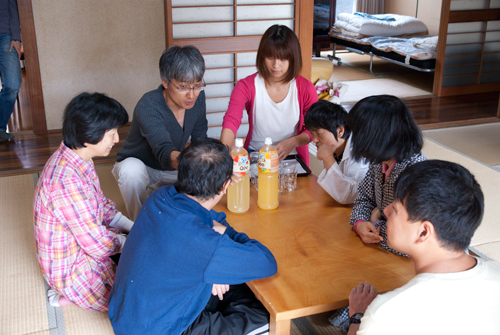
point(5, 136)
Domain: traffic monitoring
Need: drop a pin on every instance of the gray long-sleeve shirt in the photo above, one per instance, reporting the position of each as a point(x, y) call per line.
point(155, 132)
point(9, 19)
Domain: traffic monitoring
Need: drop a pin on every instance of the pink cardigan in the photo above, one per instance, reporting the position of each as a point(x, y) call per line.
point(243, 96)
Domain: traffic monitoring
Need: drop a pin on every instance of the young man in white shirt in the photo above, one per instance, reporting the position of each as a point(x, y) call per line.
point(437, 208)
point(327, 123)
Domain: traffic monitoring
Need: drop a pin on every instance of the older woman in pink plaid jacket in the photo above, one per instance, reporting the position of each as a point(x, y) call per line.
point(77, 228)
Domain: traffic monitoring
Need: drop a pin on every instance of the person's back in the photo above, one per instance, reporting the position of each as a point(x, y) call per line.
point(174, 256)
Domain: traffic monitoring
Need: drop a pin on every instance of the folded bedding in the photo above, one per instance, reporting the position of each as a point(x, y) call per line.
point(404, 46)
point(416, 47)
point(360, 25)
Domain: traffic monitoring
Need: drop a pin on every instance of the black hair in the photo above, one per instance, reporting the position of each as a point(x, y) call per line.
point(88, 116)
point(447, 195)
point(204, 167)
point(279, 42)
point(327, 115)
point(383, 128)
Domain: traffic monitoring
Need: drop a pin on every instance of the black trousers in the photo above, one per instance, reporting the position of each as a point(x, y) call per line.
point(240, 312)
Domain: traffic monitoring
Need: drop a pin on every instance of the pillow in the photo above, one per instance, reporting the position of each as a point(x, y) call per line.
point(428, 43)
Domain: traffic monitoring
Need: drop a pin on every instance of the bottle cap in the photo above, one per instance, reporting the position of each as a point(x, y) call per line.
point(238, 142)
point(268, 141)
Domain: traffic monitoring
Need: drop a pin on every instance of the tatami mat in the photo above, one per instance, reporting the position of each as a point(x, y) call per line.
point(79, 321)
point(489, 179)
point(354, 64)
point(346, 72)
point(481, 142)
point(359, 89)
point(23, 308)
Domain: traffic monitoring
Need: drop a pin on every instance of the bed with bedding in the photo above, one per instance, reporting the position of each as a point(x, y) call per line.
point(400, 39)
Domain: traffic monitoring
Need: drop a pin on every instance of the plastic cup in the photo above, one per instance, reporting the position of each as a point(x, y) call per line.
point(254, 169)
point(289, 176)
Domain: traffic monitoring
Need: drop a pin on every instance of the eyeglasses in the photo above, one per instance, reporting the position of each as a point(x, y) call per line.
point(184, 89)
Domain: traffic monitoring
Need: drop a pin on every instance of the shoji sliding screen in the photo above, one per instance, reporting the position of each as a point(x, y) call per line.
point(228, 32)
point(469, 58)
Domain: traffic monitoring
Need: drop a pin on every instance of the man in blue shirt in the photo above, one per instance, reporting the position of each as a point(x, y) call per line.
point(183, 268)
point(10, 52)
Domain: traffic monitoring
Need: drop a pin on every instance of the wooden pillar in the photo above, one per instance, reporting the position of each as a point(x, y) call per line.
point(32, 64)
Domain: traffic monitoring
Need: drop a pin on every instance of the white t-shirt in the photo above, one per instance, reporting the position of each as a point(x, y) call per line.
point(341, 180)
point(279, 121)
point(465, 303)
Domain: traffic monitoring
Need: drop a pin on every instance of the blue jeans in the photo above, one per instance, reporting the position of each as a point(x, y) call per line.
point(10, 72)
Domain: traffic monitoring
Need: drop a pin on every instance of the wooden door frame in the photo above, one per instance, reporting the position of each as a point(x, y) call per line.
point(32, 64)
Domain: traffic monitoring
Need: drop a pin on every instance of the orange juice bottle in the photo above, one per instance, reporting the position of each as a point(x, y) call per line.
point(268, 176)
point(238, 194)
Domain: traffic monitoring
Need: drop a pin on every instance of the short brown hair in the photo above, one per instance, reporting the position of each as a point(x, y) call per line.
point(280, 42)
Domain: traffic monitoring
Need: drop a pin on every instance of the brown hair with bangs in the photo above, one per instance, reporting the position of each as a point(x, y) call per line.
point(280, 42)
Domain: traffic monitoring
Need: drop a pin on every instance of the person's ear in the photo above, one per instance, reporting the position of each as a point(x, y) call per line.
point(165, 84)
point(226, 185)
point(425, 231)
point(340, 131)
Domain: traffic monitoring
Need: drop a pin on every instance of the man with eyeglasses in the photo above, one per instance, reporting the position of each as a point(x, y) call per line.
point(163, 121)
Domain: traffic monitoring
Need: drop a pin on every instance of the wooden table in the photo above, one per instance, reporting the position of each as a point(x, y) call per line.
point(319, 257)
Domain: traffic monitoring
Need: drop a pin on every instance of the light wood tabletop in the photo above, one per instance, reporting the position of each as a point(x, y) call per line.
point(319, 257)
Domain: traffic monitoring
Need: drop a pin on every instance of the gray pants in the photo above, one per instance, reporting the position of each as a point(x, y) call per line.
point(137, 181)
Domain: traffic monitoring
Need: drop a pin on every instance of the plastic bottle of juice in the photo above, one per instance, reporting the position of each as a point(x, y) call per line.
point(268, 176)
point(238, 194)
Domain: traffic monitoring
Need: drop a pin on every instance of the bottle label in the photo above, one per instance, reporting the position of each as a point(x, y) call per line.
point(269, 161)
point(241, 165)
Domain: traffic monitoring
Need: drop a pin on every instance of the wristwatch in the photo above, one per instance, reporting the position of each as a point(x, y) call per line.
point(356, 318)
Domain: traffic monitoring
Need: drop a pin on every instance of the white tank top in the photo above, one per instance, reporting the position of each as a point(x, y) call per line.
point(279, 121)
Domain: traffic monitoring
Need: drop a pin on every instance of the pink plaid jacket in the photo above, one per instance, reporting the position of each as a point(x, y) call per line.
point(73, 240)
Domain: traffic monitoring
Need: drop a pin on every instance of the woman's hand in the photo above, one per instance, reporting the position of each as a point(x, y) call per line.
point(376, 215)
point(285, 147)
point(368, 233)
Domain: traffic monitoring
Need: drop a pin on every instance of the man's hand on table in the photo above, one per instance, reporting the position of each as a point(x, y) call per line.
point(360, 297)
point(220, 228)
point(368, 233)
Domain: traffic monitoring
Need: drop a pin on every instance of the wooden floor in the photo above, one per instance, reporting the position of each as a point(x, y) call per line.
point(27, 153)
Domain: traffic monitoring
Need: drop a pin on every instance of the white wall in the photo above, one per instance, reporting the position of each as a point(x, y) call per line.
point(429, 11)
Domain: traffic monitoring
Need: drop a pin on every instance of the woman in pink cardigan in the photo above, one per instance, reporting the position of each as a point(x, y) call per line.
point(276, 98)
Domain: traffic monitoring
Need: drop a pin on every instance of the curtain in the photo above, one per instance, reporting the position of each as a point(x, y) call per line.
point(370, 6)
